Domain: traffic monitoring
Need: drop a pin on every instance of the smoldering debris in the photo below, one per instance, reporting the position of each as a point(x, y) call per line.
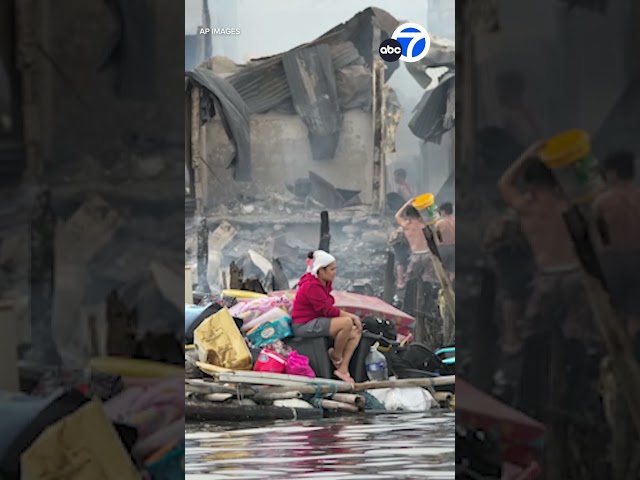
point(272, 247)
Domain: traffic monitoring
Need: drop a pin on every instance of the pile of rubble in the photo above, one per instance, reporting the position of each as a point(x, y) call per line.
point(271, 242)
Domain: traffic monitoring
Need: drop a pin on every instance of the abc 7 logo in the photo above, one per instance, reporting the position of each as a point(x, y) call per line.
point(390, 50)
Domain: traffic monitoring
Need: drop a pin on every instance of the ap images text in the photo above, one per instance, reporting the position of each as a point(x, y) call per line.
point(219, 31)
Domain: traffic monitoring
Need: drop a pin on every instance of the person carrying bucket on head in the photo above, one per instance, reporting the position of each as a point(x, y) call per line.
point(315, 315)
point(556, 304)
point(420, 264)
point(616, 217)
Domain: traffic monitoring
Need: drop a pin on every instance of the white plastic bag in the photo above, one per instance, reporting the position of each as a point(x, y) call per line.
point(412, 399)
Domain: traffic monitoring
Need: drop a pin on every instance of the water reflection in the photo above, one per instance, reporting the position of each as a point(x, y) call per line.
point(401, 446)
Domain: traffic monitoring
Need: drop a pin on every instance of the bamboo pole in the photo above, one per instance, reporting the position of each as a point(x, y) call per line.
point(309, 386)
point(442, 397)
point(218, 397)
point(333, 405)
point(357, 400)
point(269, 395)
point(203, 387)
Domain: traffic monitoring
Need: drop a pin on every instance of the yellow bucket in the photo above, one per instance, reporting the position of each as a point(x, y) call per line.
point(427, 203)
point(569, 156)
point(242, 294)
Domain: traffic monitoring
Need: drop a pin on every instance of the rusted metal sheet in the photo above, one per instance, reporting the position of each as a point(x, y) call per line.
point(435, 114)
point(263, 84)
point(312, 82)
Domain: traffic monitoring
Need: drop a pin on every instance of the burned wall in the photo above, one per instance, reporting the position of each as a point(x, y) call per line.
point(89, 60)
point(281, 154)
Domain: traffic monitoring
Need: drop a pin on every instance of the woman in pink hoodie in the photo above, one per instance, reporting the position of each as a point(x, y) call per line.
point(315, 315)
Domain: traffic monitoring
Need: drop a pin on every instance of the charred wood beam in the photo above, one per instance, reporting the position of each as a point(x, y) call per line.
point(325, 235)
point(203, 256)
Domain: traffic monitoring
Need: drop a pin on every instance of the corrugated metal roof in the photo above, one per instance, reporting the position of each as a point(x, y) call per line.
point(263, 84)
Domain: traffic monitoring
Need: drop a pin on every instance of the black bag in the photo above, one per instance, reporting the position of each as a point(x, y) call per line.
point(379, 326)
point(408, 361)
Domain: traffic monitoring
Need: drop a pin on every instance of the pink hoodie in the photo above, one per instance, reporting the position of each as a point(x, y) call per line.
point(313, 300)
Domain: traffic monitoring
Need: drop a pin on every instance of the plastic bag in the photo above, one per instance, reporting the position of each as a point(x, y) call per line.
point(270, 332)
point(269, 361)
point(413, 399)
point(299, 365)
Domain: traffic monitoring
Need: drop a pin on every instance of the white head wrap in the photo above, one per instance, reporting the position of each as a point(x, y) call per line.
point(320, 260)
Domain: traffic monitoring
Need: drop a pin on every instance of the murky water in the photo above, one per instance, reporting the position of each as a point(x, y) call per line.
point(398, 446)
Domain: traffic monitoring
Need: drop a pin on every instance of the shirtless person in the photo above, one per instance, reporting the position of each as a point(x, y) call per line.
point(557, 297)
point(446, 236)
point(420, 264)
point(617, 217)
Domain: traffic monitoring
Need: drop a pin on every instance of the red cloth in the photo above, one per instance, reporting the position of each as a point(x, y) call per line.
point(313, 300)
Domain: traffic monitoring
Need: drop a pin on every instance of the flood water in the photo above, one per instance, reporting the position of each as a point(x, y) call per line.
point(393, 446)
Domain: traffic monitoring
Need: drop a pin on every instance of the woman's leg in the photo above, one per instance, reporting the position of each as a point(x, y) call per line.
point(350, 347)
point(340, 331)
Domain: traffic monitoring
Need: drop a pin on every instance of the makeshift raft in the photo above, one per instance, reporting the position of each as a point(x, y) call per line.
point(247, 395)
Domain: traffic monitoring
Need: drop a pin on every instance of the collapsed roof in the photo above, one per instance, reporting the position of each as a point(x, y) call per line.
point(435, 114)
point(318, 80)
point(221, 99)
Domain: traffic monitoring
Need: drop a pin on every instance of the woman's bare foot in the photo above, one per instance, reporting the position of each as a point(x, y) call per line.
point(336, 361)
point(345, 377)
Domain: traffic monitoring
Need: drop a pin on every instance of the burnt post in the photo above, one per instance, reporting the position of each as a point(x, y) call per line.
point(484, 333)
point(378, 114)
point(203, 256)
point(41, 276)
point(197, 153)
point(325, 235)
point(389, 278)
point(236, 279)
point(420, 314)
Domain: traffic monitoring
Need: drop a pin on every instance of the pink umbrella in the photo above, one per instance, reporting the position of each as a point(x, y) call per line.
point(363, 305)
point(518, 433)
